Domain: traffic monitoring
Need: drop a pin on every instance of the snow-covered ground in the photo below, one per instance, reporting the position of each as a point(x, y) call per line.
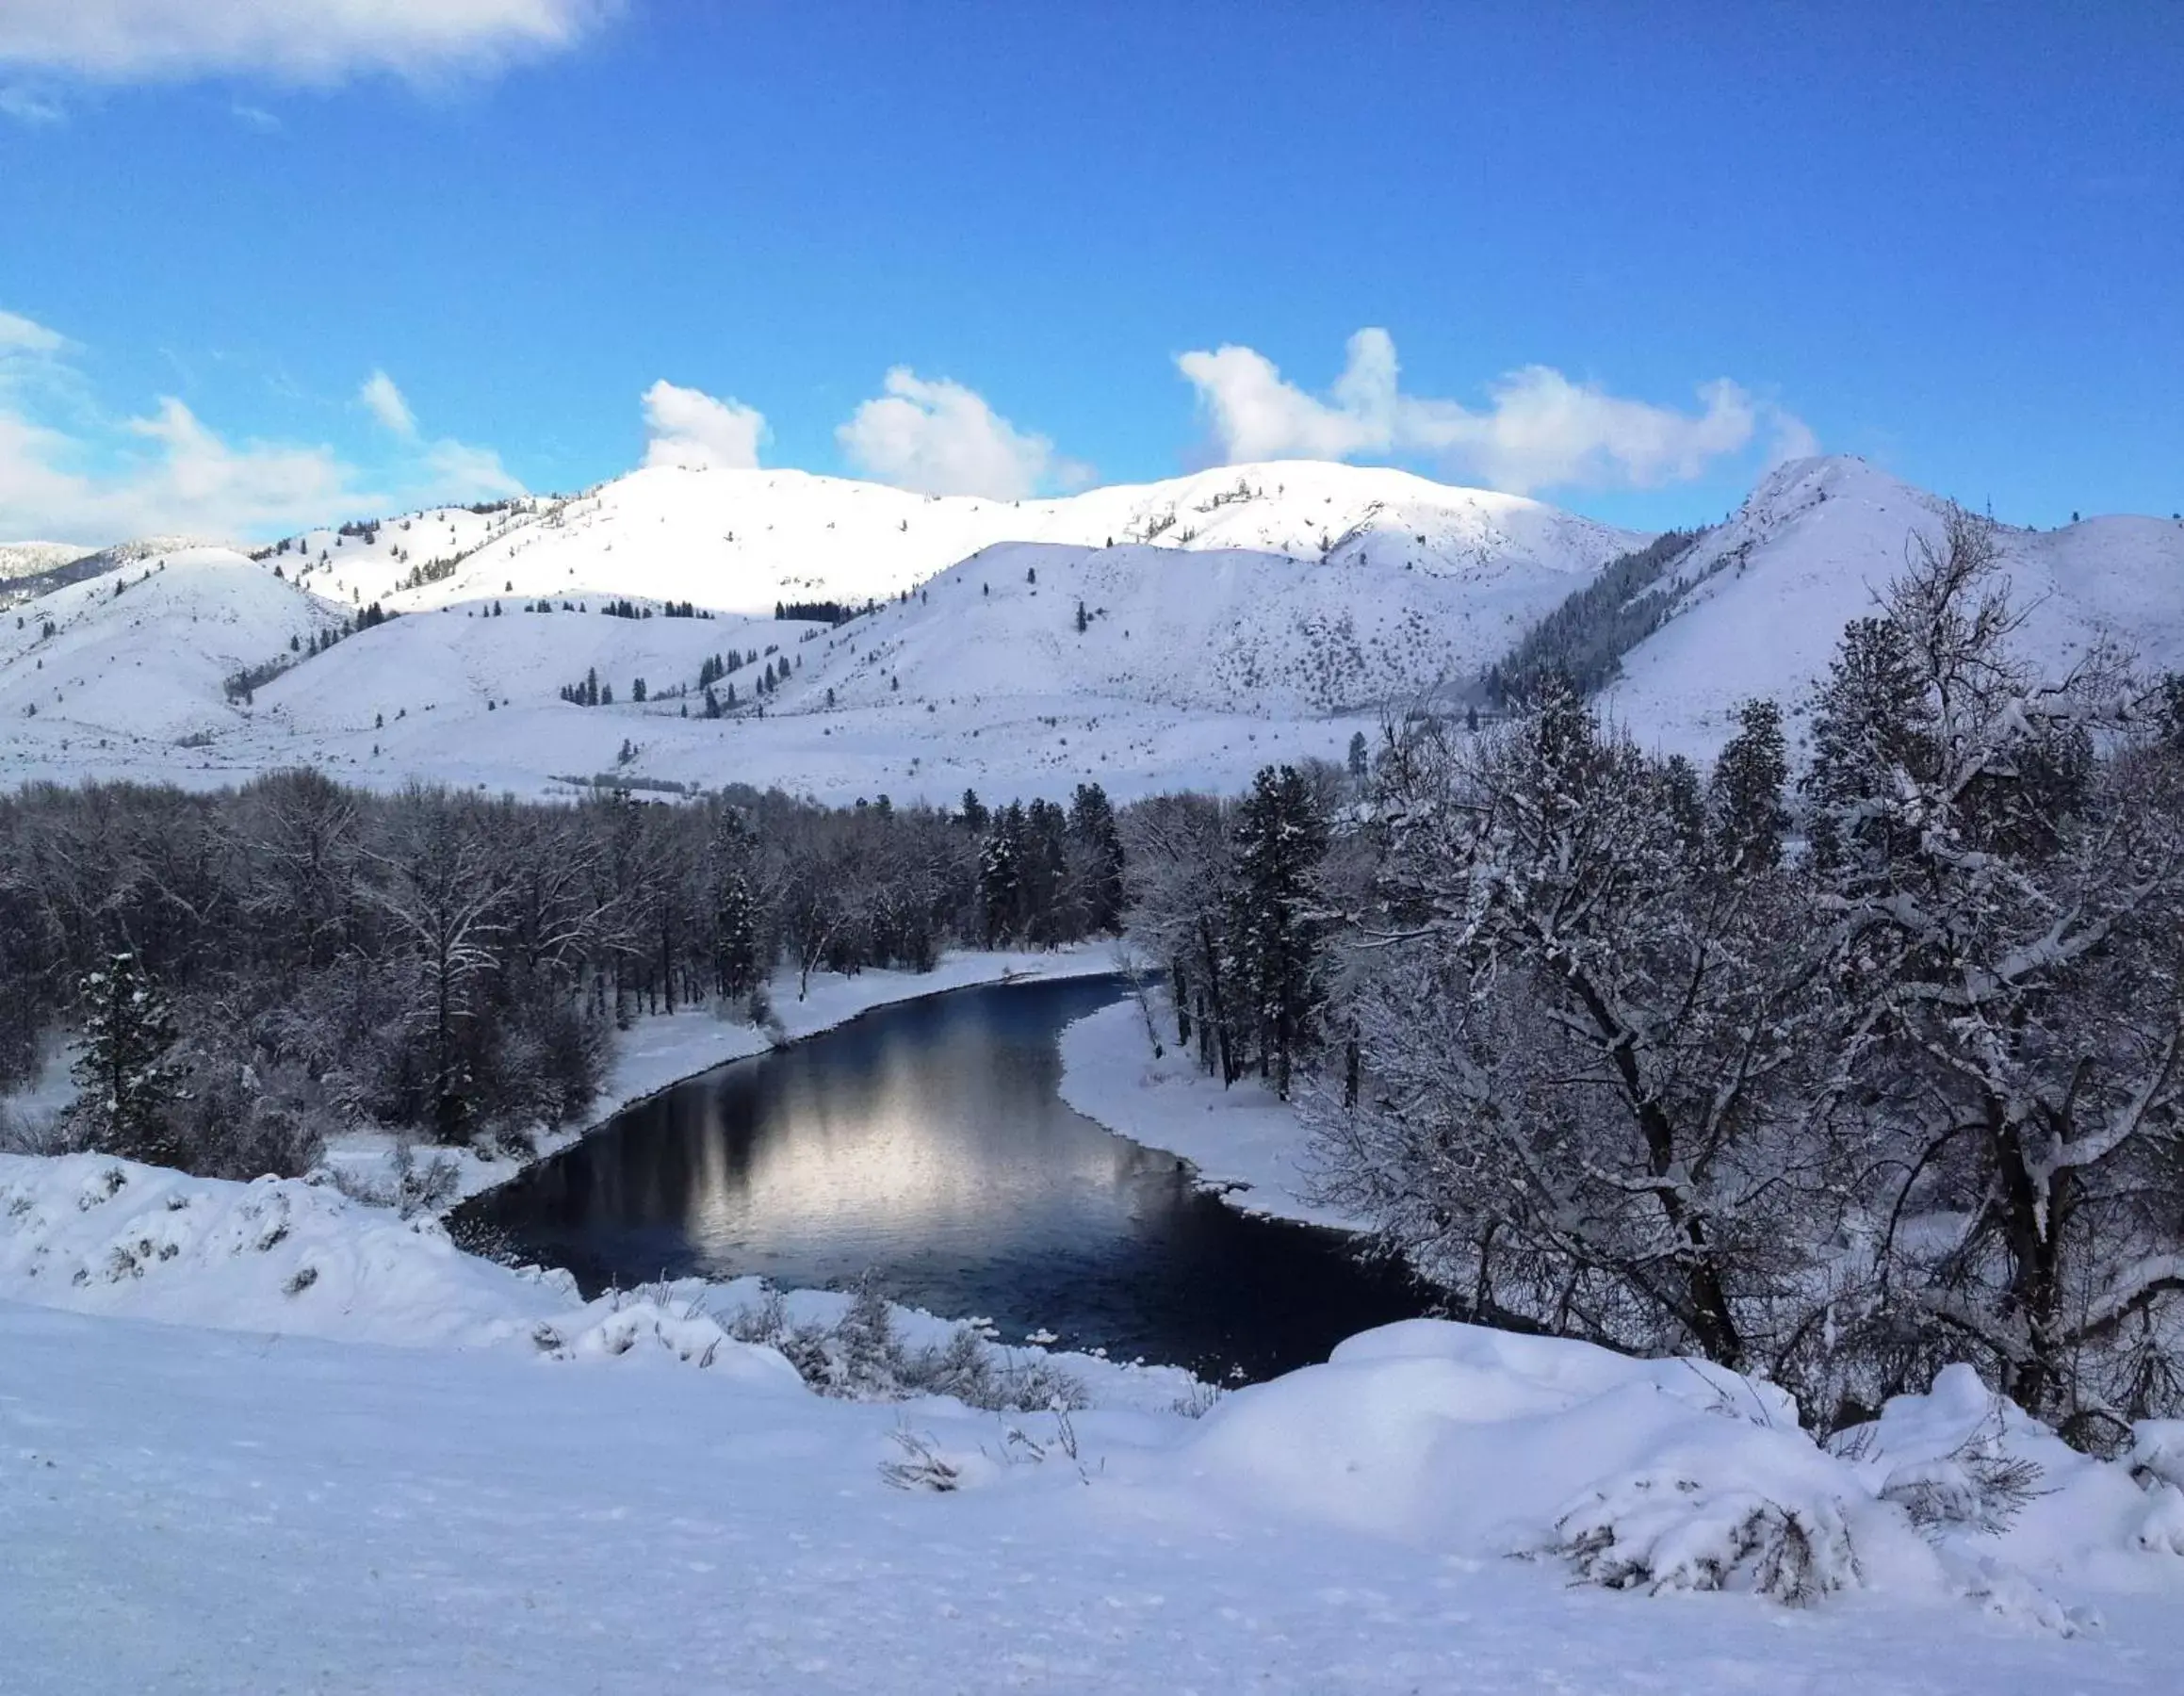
point(664, 1049)
point(1246, 1141)
point(263, 1437)
point(198, 1510)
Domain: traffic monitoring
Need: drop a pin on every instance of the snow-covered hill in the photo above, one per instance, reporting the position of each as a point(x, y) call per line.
point(28, 558)
point(1229, 617)
point(133, 661)
point(1766, 596)
point(741, 541)
point(1226, 640)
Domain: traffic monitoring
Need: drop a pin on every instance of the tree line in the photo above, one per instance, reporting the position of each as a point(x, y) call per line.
point(1834, 1077)
point(247, 971)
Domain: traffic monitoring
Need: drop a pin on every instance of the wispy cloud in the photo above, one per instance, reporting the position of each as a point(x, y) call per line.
point(20, 335)
point(26, 105)
point(941, 438)
point(166, 471)
point(1539, 428)
point(256, 117)
point(167, 40)
point(384, 402)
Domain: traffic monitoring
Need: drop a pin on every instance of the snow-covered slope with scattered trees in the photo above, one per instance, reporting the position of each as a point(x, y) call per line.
point(140, 657)
point(1232, 615)
point(1764, 597)
point(1176, 633)
point(741, 541)
point(28, 558)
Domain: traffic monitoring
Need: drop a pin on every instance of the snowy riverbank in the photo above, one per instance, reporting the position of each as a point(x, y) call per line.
point(1246, 1142)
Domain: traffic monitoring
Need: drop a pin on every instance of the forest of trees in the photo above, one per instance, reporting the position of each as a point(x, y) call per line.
point(1583, 641)
point(250, 970)
point(1835, 1076)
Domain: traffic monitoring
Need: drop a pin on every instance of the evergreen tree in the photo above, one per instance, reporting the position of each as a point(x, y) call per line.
point(737, 966)
point(1745, 796)
point(1001, 858)
point(1098, 844)
point(126, 1081)
point(1274, 939)
point(972, 814)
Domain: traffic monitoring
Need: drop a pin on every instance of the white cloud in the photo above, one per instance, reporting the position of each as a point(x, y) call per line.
point(25, 106)
point(168, 472)
point(256, 117)
point(458, 471)
point(18, 334)
point(159, 40)
point(940, 438)
point(689, 427)
point(384, 402)
point(1540, 429)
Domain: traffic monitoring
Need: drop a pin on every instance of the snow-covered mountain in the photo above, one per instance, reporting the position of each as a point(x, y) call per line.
point(1764, 597)
point(28, 558)
point(1229, 617)
point(743, 541)
point(136, 658)
point(1013, 649)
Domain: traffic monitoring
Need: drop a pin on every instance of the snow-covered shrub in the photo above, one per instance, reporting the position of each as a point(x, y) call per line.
point(862, 1355)
point(1998, 1494)
point(1660, 1531)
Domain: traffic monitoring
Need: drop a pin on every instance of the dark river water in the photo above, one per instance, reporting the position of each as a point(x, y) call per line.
point(927, 1143)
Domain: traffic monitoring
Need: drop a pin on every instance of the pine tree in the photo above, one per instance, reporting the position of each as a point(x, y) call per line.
point(1745, 795)
point(736, 961)
point(1280, 839)
point(1092, 827)
point(126, 1083)
point(972, 814)
point(1001, 874)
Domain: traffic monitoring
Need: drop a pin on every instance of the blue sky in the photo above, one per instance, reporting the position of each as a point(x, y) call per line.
point(1624, 254)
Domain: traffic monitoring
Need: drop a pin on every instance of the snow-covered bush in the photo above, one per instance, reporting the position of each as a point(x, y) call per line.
point(861, 1356)
point(1662, 1531)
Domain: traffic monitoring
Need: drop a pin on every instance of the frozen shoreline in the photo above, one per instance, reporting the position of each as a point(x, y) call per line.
point(1248, 1146)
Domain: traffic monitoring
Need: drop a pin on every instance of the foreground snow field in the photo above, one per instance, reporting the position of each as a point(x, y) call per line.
point(194, 1510)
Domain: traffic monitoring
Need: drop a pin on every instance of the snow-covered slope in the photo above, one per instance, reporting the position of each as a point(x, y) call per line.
point(28, 558)
point(137, 657)
point(741, 541)
point(1265, 599)
point(1216, 633)
point(1766, 596)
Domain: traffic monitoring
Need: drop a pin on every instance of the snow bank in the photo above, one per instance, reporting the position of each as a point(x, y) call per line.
point(2012, 1509)
point(1659, 1475)
point(288, 1257)
point(1246, 1142)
